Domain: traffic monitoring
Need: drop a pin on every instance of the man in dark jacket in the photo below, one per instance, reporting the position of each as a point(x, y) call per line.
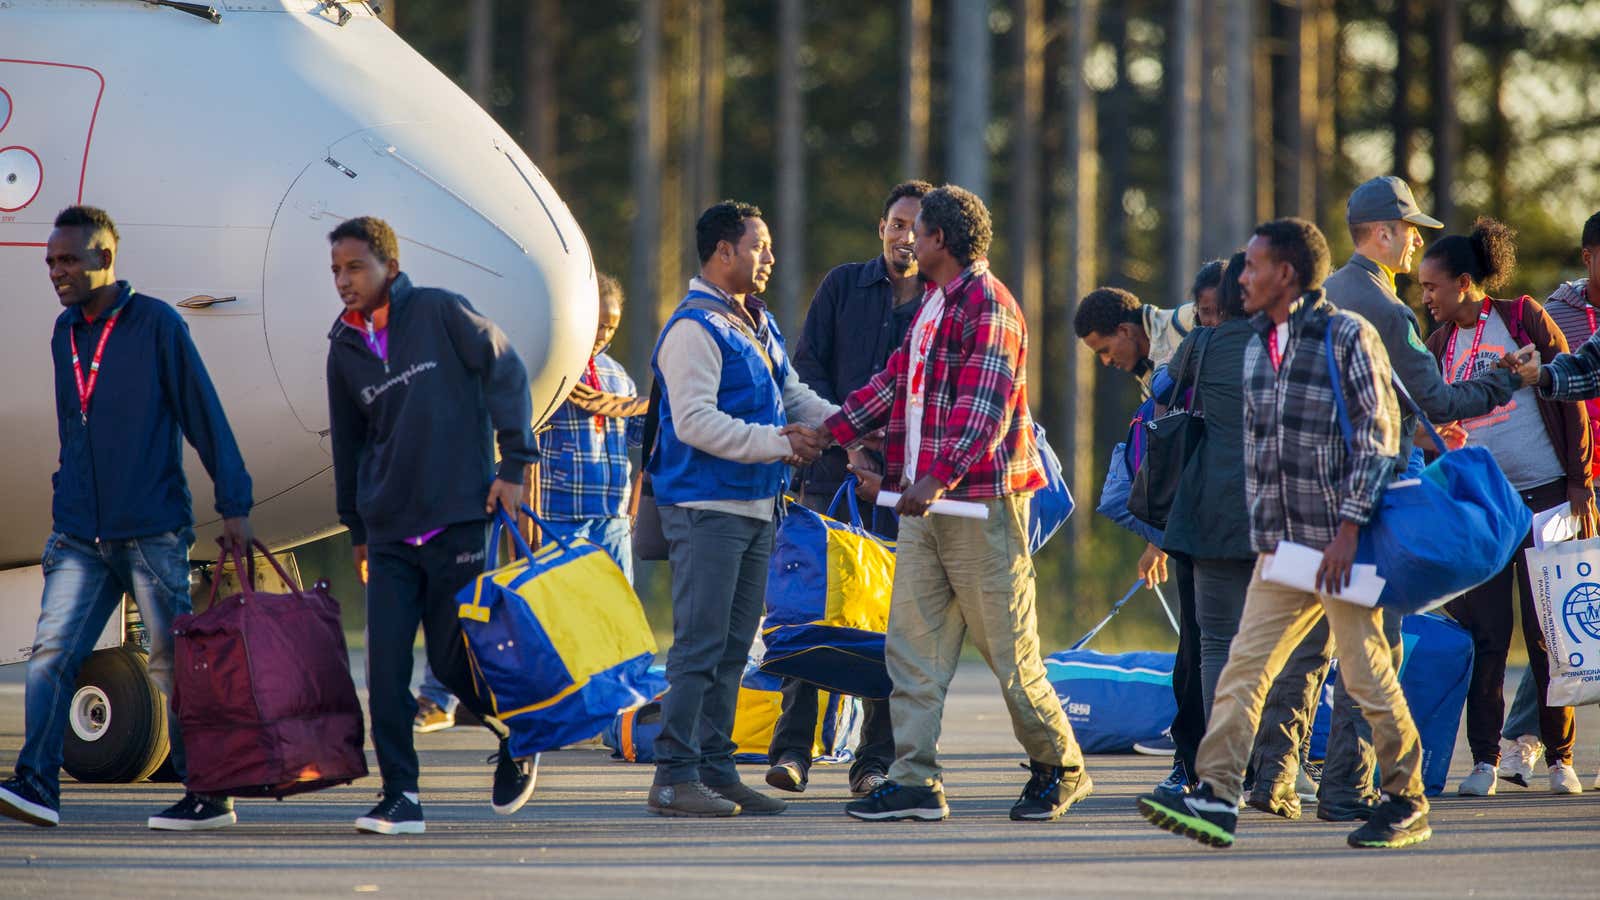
point(860, 314)
point(122, 512)
point(417, 379)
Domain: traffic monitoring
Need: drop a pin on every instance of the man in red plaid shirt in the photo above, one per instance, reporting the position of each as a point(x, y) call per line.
point(955, 400)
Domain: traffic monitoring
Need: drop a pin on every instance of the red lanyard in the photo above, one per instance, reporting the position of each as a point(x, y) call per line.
point(1273, 353)
point(86, 388)
point(594, 377)
point(1477, 338)
point(1589, 311)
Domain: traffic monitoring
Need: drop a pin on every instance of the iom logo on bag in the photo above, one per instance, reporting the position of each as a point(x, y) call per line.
point(1581, 609)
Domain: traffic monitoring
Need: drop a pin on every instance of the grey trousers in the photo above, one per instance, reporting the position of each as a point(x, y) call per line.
point(719, 577)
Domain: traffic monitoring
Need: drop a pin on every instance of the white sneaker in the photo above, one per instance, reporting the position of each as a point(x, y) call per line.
point(1479, 782)
point(1564, 779)
point(1518, 757)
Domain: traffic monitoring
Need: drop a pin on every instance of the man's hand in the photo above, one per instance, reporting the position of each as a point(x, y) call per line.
point(1455, 437)
point(1525, 363)
point(916, 500)
point(359, 554)
point(873, 441)
point(805, 444)
point(1333, 575)
point(236, 535)
point(869, 482)
point(1152, 566)
point(504, 495)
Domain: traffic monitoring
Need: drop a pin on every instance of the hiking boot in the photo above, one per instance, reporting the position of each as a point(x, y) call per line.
point(20, 800)
point(894, 802)
point(395, 814)
point(1395, 822)
point(1049, 791)
point(514, 778)
point(431, 717)
point(689, 799)
point(1518, 757)
point(1479, 782)
point(751, 802)
point(788, 774)
point(1199, 815)
point(195, 812)
point(1564, 779)
point(1275, 799)
point(867, 782)
point(1176, 785)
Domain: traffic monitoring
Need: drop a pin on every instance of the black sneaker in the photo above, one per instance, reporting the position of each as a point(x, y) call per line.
point(789, 773)
point(195, 812)
point(1279, 800)
point(21, 801)
point(894, 802)
point(1176, 785)
point(1360, 811)
point(513, 779)
point(1199, 815)
point(1396, 822)
point(1049, 791)
point(394, 814)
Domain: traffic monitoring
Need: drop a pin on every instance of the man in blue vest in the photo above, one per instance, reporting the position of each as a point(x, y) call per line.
point(730, 408)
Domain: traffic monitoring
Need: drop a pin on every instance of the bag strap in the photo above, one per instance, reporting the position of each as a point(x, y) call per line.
point(1336, 383)
point(847, 493)
point(502, 520)
point(246, 567)
point(1117, 607)
point(652, 424)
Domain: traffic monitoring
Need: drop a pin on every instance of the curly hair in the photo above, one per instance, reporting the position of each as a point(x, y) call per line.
point(1591, 232)
point(914, 188)
point(722, 222)
point(963, 220)
point(371, 230)
point(93, 218)
point(1300, 244)
point(1209, 276)
point(1487, 255)
point(1103, 309)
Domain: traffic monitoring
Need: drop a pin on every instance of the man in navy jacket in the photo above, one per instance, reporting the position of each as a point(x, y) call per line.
point(130, 386)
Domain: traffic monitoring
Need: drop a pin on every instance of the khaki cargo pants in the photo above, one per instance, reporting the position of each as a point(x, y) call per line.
point(955, 577)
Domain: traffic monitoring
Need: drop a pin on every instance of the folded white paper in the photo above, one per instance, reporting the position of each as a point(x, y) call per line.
point(961, 509)
point(1554, 525)
point(1295, 565)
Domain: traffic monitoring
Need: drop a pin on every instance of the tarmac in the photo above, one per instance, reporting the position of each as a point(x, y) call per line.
point(586, 834)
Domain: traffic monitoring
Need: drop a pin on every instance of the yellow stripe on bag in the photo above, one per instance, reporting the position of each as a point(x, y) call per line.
point(547, 702)
point(860, 581)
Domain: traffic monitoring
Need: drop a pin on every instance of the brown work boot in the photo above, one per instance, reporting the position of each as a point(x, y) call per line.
point(689, 799)
point(751, 801)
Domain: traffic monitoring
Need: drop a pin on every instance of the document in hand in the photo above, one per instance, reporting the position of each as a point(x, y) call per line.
point(1295, 565)
point(960, 508)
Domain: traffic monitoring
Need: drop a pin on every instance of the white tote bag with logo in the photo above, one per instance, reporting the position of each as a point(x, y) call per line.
point(1566, 595)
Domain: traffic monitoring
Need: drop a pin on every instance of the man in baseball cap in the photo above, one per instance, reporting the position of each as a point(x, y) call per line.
point(1384, 219)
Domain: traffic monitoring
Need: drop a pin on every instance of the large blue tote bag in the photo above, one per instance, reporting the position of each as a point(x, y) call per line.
point(1462, 494)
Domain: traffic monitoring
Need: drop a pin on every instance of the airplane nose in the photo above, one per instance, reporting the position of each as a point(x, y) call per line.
point(473, 216)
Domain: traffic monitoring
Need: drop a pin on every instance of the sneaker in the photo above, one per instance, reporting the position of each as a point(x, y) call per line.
point(1305, 783)
point(21, 801)
point(1361, 811)
point(431, 717)
point(1176, 785)
point(1275, 799)
point(1564, 779)
point(867, 783)
point(751, 802)
point(1395, 822)
point(195, 812)
point(1049, 791)
point(894, 802)
point(394, 814)
point(1199, 816)
point(789, 774)
point(1161, 746)
point(1517, 759)
point(690, 800)
point(514, 778)
point(1479, 782)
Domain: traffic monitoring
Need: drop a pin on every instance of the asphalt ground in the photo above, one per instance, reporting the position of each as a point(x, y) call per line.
point(586, 834)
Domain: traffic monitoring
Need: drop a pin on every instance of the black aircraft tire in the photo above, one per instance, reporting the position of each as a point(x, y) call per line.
point(116, 722)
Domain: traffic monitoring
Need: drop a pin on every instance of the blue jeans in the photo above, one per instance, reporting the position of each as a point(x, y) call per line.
point(83, 582)
point(1523, 717)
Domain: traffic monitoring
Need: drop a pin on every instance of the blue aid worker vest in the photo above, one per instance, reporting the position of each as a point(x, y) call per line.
point(749, 392)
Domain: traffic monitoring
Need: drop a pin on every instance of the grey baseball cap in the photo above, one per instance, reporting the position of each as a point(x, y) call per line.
point(1385, 200)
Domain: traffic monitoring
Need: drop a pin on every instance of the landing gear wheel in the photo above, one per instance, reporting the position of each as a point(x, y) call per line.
point(116, 721)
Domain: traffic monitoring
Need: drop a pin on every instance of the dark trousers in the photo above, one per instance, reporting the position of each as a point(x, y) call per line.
point(1189, 725)
point(408, 586)
point(797, 729)
point(719, 580)
point(1485, 611)
point(1287, 717)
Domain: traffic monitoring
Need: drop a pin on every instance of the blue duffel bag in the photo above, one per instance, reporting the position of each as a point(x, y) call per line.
point(1052, 504)
point(1435, 672)
point(1114, 700)
point(1463, 490)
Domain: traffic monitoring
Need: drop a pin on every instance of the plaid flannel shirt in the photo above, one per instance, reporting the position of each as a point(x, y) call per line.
point(585, 473)
point(1300, 481)
point(1575, 376)
point(977, 435)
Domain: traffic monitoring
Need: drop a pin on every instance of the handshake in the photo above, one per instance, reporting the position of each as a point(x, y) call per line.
point(805, 443)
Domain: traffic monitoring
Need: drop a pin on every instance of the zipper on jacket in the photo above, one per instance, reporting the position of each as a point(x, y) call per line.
point(372, 345)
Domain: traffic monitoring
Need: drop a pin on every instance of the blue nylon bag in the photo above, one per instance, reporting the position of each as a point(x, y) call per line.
point(1052, 504)
point(1462, 493)
point(1113, 700)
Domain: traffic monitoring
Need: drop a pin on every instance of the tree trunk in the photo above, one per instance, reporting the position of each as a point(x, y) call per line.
point(1401, 124)
point(1294, 35)
point(789, 237)
point(1026, 278)
point(480, 50)
point(1183, 250)
point(1330, 208)
point(1079, 210)
point(540, 38)
point(915, 102)
point(1498, 54)
point(968, 54)
point(1115, 153)
point(706, 150)
point(644, 320)
point(1237, 212)
point(1216, 182)
point(1261, 40)
point(1447, 123)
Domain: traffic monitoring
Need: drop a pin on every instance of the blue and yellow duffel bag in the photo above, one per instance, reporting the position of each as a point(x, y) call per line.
point(557, 640)
point(761, 702)
point(827, 602)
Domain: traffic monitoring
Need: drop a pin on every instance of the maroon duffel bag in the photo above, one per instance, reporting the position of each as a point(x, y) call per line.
point(261, 683)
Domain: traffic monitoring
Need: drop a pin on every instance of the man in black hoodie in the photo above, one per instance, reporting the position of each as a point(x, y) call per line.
point(417, 380)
